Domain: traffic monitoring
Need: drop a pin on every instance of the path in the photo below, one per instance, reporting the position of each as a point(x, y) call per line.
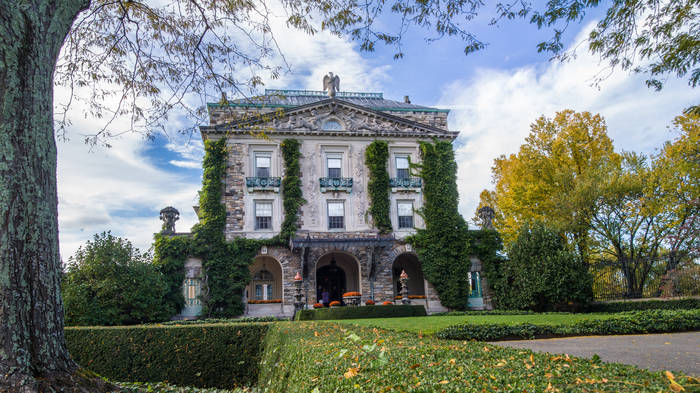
point(667, 351)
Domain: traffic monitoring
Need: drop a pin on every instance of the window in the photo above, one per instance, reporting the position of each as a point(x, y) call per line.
point(192, 290)
point(334, 164)
point(405, 210)
point(336, 215)
point(262, 165)
point(332, 125)
point(263, 215)
point(402, 167)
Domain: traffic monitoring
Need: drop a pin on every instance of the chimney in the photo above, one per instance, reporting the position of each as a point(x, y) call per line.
point(406, 99)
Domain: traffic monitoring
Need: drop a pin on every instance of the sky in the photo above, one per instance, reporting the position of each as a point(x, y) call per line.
point(493, 96)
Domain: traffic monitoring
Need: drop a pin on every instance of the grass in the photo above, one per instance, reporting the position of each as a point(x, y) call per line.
point(430, 325)
point(317, 357)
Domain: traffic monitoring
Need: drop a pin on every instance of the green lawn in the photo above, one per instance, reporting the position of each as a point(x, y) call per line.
point(429, 325)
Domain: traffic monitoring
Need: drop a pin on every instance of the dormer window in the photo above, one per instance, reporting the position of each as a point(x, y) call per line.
point(332, 125)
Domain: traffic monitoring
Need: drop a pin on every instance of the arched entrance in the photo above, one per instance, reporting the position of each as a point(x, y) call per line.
point(337, 273)
point(266, 283)
point(411, 265)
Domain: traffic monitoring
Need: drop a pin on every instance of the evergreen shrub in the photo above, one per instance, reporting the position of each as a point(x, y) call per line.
point(220, 355)
point(639, 322)
point(621, 306)
point(542, 274)
point(402, 310)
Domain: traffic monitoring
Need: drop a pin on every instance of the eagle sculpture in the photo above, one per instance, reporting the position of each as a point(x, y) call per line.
point(331, 83)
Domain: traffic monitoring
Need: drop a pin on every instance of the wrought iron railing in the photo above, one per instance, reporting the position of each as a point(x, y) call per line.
point(405, 182)
point(263, 183)
point(318, 93)
point(335, 184)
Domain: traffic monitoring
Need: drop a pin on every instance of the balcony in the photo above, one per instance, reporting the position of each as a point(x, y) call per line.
point(330, 184)
point(263, 184)
point(405, 184)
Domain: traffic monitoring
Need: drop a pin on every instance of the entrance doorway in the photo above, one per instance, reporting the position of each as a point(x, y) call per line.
point(336, 273)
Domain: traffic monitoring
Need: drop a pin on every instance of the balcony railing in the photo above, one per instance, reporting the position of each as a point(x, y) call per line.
point(405, 183)
point(263, 183)
point(335, 184)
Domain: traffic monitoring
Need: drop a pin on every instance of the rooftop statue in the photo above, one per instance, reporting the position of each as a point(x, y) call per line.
point(332, 84)
point(486, 214)
point(169, 215)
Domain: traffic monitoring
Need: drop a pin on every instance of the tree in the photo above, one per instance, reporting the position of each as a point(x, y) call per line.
point(542, 273)
point(659, 38)
point(553, 178)
point(109, 282)
point(150, 59)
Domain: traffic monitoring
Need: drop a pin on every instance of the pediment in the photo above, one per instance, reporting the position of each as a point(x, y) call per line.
point(333, 117)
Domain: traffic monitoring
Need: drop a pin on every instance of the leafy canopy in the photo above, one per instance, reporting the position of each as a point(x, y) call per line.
point(109, 282)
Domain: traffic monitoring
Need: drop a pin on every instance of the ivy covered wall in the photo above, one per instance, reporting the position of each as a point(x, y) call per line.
point(225, 264)
point(376, 158)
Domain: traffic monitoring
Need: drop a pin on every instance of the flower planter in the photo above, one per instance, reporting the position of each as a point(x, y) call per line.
point(352, 300)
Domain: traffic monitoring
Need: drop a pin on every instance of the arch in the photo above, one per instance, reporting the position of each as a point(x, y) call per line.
point(336, 272)
point(266, 283)
point(332, 124)
point(408, 262)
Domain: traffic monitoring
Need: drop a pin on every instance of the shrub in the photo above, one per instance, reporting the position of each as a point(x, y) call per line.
point(621, 306)
point(361, 312)
point(652, 321)
point(388, 303)
point(269, 301)
point(209, 321)
point(542, 274)
point(222, 355)
point(325, 357)
point(335, 303)
point(109, 282)
point(369, 302)
point(346, 294)
point(318, 305)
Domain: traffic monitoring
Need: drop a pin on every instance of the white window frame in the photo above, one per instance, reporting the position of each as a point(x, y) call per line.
point(396, 164)
point(398, 214)
point(328, 214)
point(262, 154)
point(255, 214)
point(329, 156)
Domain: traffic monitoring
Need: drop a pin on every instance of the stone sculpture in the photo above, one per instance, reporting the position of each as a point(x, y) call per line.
point(169, 215)
point(486, 215)
point(331, 83)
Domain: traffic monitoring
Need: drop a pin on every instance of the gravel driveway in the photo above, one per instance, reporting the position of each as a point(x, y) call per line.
point(668, 351)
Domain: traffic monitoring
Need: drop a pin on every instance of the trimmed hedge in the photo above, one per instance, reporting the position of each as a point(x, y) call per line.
point(392, 311)
point(209, 321)
point(675, 304)
point(651, 321)
point(222, 356)
point(159, 387)
point(308, 357)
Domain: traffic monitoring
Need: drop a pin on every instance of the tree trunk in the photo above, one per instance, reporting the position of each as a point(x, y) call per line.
point(33, 355)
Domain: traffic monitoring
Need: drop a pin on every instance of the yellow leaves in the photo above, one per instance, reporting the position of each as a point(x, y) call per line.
point(551, 388)
point(672, 382)
point(352, 371)
point(486, 349)
point(453, 361)
point(316, 334)
point(443, 382)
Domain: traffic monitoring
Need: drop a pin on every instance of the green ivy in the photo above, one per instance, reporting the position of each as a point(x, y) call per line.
point(291, 188)
point(226, 263)
point(442, 246)
point(376, 157)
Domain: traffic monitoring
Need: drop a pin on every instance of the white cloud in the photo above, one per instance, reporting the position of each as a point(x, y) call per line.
point(493, 111)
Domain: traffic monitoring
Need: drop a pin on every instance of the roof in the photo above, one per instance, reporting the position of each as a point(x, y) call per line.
point(293, 98)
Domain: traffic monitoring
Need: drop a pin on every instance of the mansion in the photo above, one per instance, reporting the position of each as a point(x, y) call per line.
point(336, 249)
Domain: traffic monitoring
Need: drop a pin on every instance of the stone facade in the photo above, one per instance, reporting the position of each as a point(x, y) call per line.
point(334, 134)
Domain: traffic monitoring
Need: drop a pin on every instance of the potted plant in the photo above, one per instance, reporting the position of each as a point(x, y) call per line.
point(335, 303)
point(388, 303)
point(352, 298)
point(369, 302)
point(318, 305)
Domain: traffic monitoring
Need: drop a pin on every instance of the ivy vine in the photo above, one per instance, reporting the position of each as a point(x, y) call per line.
point(226, 263)
point(442, 247)
point(291, 188)
point(376, 157)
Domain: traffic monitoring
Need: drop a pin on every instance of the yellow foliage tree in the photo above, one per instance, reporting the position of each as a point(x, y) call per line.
point(554, 177)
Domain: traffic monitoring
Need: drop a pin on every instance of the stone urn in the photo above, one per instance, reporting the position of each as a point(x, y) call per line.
point(352, 298)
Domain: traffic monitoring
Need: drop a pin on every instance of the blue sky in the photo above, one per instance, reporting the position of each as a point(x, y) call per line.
point(493, 95)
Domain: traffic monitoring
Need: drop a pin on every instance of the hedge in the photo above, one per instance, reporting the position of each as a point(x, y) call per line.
point(307, 357)
point(391, 311)
point(675, 304)
point(222, 356)
point(159, 387)
point(651, 321)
